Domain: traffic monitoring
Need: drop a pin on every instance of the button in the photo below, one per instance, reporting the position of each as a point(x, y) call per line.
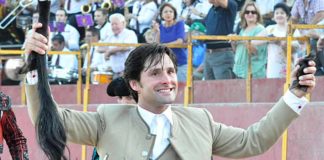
point(144, 153)
point(148, 137)
point(299, 107)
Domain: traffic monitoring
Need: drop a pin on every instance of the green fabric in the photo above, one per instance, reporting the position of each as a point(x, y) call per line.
point(259, 59)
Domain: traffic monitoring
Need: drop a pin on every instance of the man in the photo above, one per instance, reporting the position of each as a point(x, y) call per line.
point(219, 58)
point(154, 129)
point(117, 55)
point(307, 11)
point(70, 34)
point(101, 19)
point(68, 62)
point(10, 131)
point(97, 60)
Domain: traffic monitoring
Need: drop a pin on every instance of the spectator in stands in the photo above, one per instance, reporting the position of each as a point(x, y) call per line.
point(154, 128)
point(277, 52)
point(68, 62)
point(251, 26)
point(73, 8)
point(97, 60)
point(307, 12)
point(172, 32)
point(143, 13)
point(70, 34)
point(120, 34)
point(219, 58)
point(193, 10)
point(101, 19)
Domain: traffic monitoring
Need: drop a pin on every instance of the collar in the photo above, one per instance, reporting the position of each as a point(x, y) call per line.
point(149, 116)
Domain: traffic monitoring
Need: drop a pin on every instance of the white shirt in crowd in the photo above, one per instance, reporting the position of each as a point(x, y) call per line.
point(266, 6)
point(105, 30)
point(66, 61)
point(97, 60)
point(145, 14)
point(116, 61)
point(71, 37)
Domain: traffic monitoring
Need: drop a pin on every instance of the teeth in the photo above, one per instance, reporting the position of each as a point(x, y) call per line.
point(164, 90)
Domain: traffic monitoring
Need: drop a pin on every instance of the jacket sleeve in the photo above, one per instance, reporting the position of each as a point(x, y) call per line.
point(81, 127)
point(256, 139)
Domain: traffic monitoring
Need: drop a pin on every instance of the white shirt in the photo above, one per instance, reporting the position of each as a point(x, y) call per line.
point(71, 37)
point(144, 16)
point(117, 60)
point(66, 61)
point(266, 6)
point(162, 135)
point(98, 60)
point(199, 6)
point(105, 30)
point(75, 6)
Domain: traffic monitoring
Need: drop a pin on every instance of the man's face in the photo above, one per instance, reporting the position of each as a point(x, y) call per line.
point(90, 38)
point(57, 46)
point(117, 26)
point(99, 18)
point(158, 86)
point(60, 16)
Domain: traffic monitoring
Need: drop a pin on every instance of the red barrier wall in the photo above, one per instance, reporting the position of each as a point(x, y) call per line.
point(304, 135)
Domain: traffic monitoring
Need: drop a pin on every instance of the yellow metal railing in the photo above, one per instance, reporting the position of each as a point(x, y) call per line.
point(4, 53)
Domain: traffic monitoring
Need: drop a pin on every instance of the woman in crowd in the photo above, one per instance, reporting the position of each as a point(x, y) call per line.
point(276, 64)
point(172, 31)
point(251, 26)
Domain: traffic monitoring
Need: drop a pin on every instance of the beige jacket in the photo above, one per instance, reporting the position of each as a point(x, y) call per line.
point(119, 132)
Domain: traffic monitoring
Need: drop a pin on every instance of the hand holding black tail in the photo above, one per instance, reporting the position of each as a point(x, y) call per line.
point(304, 63)
point(50, 132)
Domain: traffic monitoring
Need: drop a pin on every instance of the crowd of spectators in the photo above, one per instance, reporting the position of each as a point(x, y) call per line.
point(171, 21)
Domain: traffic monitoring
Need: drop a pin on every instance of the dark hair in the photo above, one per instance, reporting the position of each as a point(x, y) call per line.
point(171, 6)
point(94, 31)
point(65, 13)
point(103, 11)
point(284, 7)
point(150, 54)
point(59, 38)
point(50, 131)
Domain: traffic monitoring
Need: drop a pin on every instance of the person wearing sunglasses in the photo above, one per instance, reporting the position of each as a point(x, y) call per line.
point(244, 53)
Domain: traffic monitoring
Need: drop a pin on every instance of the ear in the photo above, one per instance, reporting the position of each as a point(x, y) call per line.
point(134, 85)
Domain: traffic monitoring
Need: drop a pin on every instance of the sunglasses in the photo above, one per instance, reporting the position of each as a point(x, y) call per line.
point(248, 12)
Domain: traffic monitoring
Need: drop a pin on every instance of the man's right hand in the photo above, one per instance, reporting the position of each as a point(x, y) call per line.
point(35, 41)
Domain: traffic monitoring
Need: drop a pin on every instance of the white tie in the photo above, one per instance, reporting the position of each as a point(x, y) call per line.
point(158, 148)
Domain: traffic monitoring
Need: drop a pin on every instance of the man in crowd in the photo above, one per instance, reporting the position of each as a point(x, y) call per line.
point(219, 59)
point(70, 34)
point(68, 62)
point(120, 34)
point(101, 19)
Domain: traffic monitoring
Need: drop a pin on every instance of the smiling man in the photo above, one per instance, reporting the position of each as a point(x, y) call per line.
point(154, 128)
